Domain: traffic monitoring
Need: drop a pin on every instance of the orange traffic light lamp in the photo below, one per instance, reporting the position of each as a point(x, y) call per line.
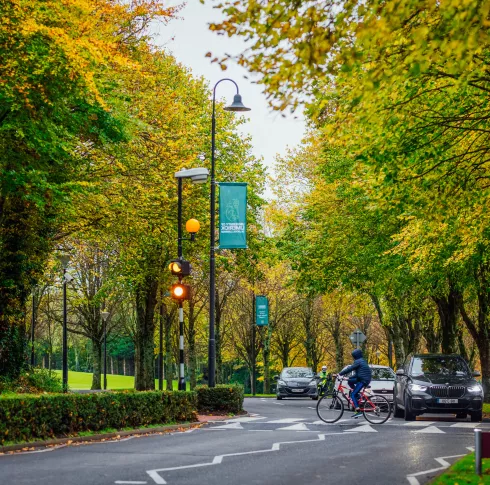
point(180, 292)
point(180, 267)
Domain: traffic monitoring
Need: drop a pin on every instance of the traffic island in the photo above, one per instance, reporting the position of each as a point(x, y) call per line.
point(463, 473)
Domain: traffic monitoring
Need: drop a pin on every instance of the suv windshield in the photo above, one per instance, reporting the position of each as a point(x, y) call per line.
point(383, 375)
point(446, 366)
point(294, 372)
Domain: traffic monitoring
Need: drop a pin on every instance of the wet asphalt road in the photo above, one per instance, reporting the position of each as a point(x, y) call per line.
point(280, 443)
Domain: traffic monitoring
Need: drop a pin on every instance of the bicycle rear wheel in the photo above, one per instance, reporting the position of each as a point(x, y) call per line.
point(330, 408)
point(378, 410)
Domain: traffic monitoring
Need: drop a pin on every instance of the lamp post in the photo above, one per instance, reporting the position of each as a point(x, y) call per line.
point(197, 176)
point(236, 106)
point(65, 261)
point(33, 325)
point(105, 316)
point(378, 353)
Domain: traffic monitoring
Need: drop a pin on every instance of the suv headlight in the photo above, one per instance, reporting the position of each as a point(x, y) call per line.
point(476, 388)
point(280, 382)
point(312, 384)
point(417, 388)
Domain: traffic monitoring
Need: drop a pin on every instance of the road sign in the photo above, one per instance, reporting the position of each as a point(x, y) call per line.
point(261, 311)
point(357, 338)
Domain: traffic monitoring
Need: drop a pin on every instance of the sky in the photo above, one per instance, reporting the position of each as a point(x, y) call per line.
point(189, 39)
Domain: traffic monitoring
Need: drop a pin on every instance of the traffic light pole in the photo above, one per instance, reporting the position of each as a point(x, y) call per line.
point(65, 337)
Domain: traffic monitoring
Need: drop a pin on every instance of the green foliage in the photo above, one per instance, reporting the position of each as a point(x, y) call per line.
point(33, 381)
point(27, 417)
point(222, 398)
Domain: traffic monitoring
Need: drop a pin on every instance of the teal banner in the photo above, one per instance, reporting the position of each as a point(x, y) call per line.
point(233, 215)
point(261, 311)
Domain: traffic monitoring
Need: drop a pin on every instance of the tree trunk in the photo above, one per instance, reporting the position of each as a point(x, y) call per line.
point(96, 362)
point(447, 307)
point(146, 299)
point(266, 352)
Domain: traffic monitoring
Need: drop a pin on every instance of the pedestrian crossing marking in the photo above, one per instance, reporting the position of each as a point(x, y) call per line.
point(286, 420)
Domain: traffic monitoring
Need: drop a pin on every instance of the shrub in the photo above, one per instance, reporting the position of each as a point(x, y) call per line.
point(221, 398)
point(33, 381)
point(27, 417)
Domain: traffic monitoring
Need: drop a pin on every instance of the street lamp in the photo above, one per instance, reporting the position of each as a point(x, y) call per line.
point(378, 353)
point(197, 176)
point(105, 316)
point(236, 106)
point(33, 325)
point(65, 261)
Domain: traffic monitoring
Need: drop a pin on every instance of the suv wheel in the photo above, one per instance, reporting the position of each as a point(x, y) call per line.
point(279, 398)
point(476, 416)
point(397, 412)
point(409, 415)
point(461, 415)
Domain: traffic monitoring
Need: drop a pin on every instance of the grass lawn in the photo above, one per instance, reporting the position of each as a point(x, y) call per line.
point(463, 473)
point(83, 380)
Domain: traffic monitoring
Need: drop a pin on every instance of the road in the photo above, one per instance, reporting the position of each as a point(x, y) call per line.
point(280, 443)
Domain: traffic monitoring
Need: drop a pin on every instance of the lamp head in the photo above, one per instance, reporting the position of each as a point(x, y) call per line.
point(65, 260)
point(192, 226)
point(105, 315)
point(237, 104)
point(197, 175)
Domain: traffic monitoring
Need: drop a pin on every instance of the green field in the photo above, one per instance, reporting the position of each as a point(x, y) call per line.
point(83, 380)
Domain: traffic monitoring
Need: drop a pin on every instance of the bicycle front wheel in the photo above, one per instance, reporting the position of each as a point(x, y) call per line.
point(330, 408)
point(377, 410)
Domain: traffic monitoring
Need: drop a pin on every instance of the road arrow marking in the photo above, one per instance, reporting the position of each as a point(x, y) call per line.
point(286, 420)
point(419, 423)
point(294, 427)
point(429, 429)
point(365, 428)
point(465, 425)
point(229, 426)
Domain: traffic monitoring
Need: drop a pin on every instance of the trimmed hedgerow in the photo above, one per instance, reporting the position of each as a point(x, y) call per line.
point(26, 417)
point(221, 398)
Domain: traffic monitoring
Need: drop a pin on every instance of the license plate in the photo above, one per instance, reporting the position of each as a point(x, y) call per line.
point(447, 401)
point(297, 390)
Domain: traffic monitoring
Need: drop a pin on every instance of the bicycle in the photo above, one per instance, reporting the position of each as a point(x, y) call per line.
point(325, 386)
point(330, 408)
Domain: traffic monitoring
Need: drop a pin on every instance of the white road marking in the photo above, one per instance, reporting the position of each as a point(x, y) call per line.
point(128, 482)
point(465, 425)
point(244, 420)
point(294, 427)
point(279, 404)
point(442, 460)
point(365, 428)
point(430, 430)
point(229, 426)
point(419, 423)
point(44, 450)
point(217, 460)
point(285, 420)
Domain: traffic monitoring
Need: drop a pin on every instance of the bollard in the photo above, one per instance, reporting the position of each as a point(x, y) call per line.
point(478, 451)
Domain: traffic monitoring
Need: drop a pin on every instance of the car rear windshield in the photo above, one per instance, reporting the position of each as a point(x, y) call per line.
point(446, 366)
point(297, 372)
point(383, 375)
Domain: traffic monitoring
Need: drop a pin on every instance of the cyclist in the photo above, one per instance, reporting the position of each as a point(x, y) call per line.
point(323, 379)
point(360, 379)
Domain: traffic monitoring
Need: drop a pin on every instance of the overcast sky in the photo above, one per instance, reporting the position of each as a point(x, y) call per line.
point(189, 39)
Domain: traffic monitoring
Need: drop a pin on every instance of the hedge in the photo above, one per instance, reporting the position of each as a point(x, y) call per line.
point(221, 398)
point(26, 417)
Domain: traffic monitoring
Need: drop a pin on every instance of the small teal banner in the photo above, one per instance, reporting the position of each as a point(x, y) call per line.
point(261, 311)
point(233, 215)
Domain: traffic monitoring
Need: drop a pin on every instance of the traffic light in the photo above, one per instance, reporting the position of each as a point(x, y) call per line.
point(180, 292)
point(180, 267)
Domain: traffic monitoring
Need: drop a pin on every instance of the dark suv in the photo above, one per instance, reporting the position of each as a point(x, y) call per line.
point(436, 383)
